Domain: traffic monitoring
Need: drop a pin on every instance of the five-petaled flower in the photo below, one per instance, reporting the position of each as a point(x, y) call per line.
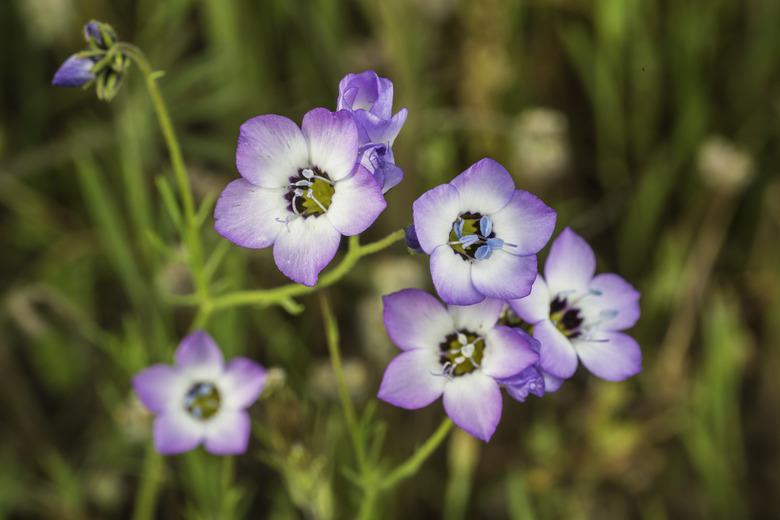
point(369, 98)
point(458, 352)
point(301, 189)
point(576, 314)
point(200, 399)
point(482, 235)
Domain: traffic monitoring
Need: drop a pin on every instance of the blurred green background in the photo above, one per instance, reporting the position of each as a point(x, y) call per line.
point(650, 125)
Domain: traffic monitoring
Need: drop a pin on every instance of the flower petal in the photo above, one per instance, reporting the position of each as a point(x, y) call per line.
point(176, 432)
point(356, 204)
point(199, 356)
point(529, 381)
point(227, 433)
point(379, 130)
point(570, 264)
point(613, 356)
point(361, 91)
point(415, 320)
point(410, 380)
point(536, 306)
point(270, 150)
point(74, 72)
point(304, 249)
point(473, 402)
point(612, 302)
point(159, 387)
point(556, 353)
point(526, 222)
point(241, 383)
point(434, 213)
point(504, 275)
point(480, 317)
point(485, 187)
point(250, 216)
point(333, 141)
point(508, 352)
point(452, 277)
point(551, 383)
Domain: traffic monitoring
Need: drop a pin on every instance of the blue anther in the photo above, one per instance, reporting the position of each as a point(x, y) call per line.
point(485, 226)
point(495, 243)
point(468, 240)
point(483, 252)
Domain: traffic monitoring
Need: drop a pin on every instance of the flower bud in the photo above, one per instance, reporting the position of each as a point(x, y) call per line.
point(101, 64)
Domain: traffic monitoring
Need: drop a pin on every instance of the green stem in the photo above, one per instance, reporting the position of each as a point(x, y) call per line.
point(150, 478)
point(285, 292)
point(366, 511)
point(145, 501)
point(190, 234)
point(332, 338)
point(411, 465)
point(228, 470)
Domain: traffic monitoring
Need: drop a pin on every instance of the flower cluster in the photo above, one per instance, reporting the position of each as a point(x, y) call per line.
point(527, 345)
point(301, 188)
point(101, 64)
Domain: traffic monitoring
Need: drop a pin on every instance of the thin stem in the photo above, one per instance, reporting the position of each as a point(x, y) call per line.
point(411, 465)
point(190, 233)
point(332, 338)
point(279, 294)
point(366, 511)
point(150, 478)
point(228, 470)
point(145, 501)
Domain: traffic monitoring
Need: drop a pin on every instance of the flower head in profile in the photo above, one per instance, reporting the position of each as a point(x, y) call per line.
point(300, 190)
point(531, 381)
point(200, 399)
point(482, 235)
point(369, 98)
point(575, 314)
point(460, 353)
point(100, 64)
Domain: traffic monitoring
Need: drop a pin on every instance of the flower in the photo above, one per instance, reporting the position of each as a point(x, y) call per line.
point(456, 352)
point(369, 99)
point(74, 72)
point(482, 235)
point(200, 399)
point(532, 380)
point(301, 189)
point(100, 63)
point(576, 314)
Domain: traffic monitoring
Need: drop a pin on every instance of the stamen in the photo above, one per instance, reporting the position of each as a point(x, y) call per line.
point(483, 252)
point(311, 196)
point(468, 240)
point(485, 226)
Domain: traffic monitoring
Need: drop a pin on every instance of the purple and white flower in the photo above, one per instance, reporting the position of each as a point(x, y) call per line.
point(575, 314)
point(301, 189)
point(482, 235)
point(200, 399)
point(460, 353)
point(369, 98)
